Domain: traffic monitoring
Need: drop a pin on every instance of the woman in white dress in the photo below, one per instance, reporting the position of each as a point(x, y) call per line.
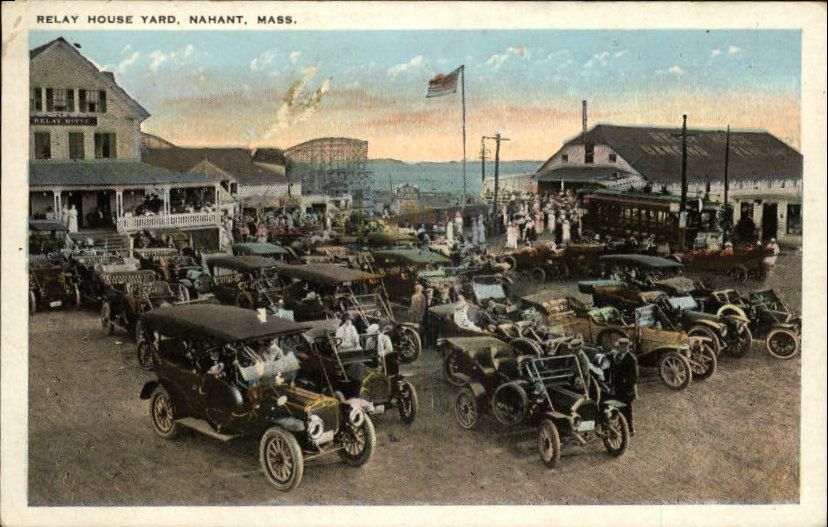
point(73, 220)
point(567, 235)
point(450, 232)
point(481, 228)
point(538, 222)
point(512, 236)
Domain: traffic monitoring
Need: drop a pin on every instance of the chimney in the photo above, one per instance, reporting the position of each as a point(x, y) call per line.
point(584, 116)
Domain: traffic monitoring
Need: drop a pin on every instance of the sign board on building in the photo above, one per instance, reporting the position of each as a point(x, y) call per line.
point(62, 120)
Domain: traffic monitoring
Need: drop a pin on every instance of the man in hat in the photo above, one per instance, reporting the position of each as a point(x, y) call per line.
point(418, 311)
point(625, 378)
point(347, 333)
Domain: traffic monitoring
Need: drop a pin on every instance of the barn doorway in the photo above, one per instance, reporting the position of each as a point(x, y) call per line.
point(770, 221)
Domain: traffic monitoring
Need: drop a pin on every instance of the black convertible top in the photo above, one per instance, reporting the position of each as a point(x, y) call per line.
point(245, 264)
point(217, 323)
point(321, 273)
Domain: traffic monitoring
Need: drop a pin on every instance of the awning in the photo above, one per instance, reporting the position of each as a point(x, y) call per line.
point(110, 174)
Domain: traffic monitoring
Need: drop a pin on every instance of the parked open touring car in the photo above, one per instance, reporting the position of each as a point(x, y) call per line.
point(677, 356)
point(639, 268)
point(170, 265)
point(267, 250)
point(225, 372)
point(243, 281)
point(401, 268)
point(740, 263)
point(363, 376)
point(550, 393)
point(51, 286)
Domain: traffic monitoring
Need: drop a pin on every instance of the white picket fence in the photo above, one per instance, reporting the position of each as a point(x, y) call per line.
point(165, 221)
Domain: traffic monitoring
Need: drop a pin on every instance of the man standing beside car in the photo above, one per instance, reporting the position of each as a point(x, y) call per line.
point(625, 378)
point(418, 309)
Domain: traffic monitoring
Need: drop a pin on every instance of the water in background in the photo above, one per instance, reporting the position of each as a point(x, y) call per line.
point(439, 177)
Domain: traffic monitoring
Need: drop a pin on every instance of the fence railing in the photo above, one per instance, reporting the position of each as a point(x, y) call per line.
point(165, 221)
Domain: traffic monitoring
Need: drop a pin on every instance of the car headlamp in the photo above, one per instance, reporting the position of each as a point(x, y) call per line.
point(316, 427)
point(356, 416)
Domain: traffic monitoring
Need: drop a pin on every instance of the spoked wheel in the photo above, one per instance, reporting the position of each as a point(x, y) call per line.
point(163, 414)
point(281, 458)
point(704, 331)
point(616, 434)
point(675, 371)
point(409, 345)
point(742, 344)
point(407, 402)
point(782, 343)
point(739, 274)
point(451, 365)
point(32, 303)
point(358, 443)
point(106, 319)
point(78, 298)
point(537, 274)
point(144, 352)
point(549, 443)
point(466, 409)
point(703, 361)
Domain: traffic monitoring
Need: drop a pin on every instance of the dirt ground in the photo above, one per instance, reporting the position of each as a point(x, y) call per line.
point(733, 438)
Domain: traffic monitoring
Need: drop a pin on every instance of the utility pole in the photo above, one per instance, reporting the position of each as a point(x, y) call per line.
point(683, 205)
point(727, 163)
point(483, 159)
point(497, 139)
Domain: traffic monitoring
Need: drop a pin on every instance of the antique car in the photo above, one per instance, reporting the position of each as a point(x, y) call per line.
point(85, 269)
point(50, 286)
point(638, 269)
point(268, 250)
point(770, 318)
point(577, 259)
point(740, 263)
point(373, 308)
point(529, 260)
point(171, 266)
point(337, 254)
point(224, 372)
point(389, 239)
point(361, 376)
point(130, 293)
point(730, 332)
point(243, 281)
point(46, 237)
point(401, 268)
point(678, 357)
point(550, 393)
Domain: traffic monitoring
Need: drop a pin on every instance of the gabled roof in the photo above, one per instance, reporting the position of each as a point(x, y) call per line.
point(656, 153)
point(107, 76)
point(236, 162)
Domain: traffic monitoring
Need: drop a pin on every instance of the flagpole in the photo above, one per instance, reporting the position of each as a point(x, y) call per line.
point(463, 99)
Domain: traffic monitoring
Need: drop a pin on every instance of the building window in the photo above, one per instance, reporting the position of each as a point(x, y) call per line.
point(793, 223)
point(102, 101)
point(42, 145)
point(747, 209)
point(565, 158)
point(76, 150)
point(92, 101)
point(613, 158)
point(62, 100)
point(105, 146)
point(589, 153)
point(36, 100)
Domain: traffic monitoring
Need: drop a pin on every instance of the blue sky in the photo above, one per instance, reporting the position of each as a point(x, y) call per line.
point(371, 84)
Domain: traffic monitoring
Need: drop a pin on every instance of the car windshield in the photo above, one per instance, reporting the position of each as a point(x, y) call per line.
point(268, 363)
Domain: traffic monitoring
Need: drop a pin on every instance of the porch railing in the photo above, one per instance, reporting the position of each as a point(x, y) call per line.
point(164, 221)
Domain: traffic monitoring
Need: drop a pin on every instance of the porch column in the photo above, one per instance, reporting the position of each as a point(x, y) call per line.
point(217, 188)
point(119, 203)
point(58, 204)
point(167, 200)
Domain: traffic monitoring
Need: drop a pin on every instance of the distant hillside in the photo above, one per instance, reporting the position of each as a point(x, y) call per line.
point(440, 176)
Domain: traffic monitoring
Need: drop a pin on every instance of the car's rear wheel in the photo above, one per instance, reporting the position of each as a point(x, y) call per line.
point(706, 332)
point(466, 409)
point(163, 413)
point(782, 343)
point(281, 458)
point(674, 370)
point(409, 345)
point(144, 352)
point(407, 402)
point(106, 318)
point(740, 346)
point(549, 443)
point(537, 274)
point(451, 366)
point(616, 434)
point(32, 303)
point(703, 361)
point(358, 443)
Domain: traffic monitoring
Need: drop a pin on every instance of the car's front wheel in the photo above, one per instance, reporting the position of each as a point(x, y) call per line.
point(675, 371)
point(616, 434)
point(144, 352)
point(703, 361)
point(358, 443)
point(407, 402)
point(281, 458)
point(163, 413)
point(409, 345)
point(466, 409)
point(451, 366)
point(549, 443)
point(782, 343)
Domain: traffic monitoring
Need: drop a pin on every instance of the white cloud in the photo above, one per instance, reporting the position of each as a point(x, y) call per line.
point(176, 57)
point(598, 58)
point(715, 53)
point(619, 54)
point(672, 70)
point(498, 59)
point(732, 50)
point(556, 54)
point(263, 60)
point(414, 64)
point(127, 62)
point(294, 57)
point(126, 49)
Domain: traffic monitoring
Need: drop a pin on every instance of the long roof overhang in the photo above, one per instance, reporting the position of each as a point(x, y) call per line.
point(110, 175)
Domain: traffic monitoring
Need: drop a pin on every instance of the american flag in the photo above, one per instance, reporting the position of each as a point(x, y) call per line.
point(443, 84)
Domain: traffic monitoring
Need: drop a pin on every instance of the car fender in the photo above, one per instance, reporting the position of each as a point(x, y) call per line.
point(413, 325)
point(148, 388)
point(554, 414)
point(715, 326)
point(614, 403)
point(736, 320)
point(291, 424)
point(731, 307)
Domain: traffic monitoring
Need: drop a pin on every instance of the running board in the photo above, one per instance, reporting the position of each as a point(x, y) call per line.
point(202, 426)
